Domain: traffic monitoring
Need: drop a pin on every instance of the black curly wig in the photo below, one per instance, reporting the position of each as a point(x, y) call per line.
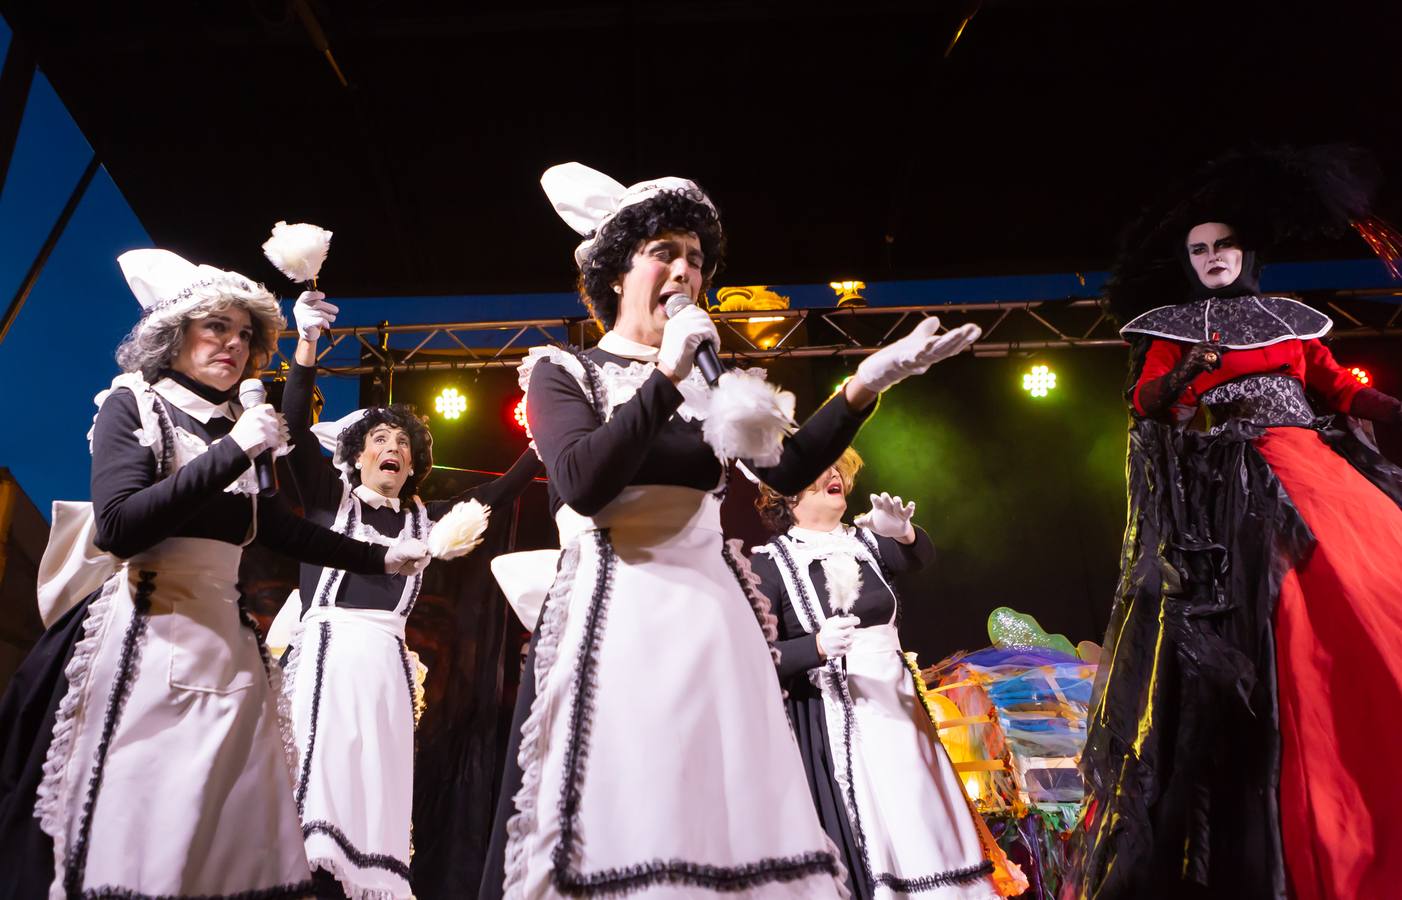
point(612, 253)
point(1274, 199)
point(351, 443)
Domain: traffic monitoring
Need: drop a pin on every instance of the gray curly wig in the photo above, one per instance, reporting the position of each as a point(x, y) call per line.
point(155, 342)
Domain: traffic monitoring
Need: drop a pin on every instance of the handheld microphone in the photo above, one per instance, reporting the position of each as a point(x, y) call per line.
point(706, 359)
point(251, 394)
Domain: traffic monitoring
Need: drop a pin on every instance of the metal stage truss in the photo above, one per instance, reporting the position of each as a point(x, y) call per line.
point(1009, 328)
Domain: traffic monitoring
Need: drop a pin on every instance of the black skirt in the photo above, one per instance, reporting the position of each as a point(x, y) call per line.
point(810, 725)
point(27, 712)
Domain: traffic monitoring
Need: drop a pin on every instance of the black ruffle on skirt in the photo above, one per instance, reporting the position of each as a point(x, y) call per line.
point(810, 725)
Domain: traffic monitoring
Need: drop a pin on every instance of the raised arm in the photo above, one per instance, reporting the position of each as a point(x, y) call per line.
point(318, 483)
point(133, 510)
point(589, 463)
point(831, 429)
point(816, 445)
point(497, 492)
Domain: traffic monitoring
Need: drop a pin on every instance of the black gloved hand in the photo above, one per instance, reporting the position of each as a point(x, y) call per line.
point(1376, 406)
point(1158, 395)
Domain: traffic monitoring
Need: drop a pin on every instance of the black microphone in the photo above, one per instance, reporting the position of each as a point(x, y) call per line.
point(251, 394)
point(706, 359)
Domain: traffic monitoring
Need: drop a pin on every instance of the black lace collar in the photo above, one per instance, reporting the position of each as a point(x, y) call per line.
point(1238, 323)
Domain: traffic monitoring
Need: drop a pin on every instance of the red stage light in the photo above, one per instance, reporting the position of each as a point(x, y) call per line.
point(518, 415)
point(1362, 375)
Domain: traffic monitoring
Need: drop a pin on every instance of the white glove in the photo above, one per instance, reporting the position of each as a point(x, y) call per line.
point(888, 517)
point(408, 557)
point(259, 429)
point(312, 313)
point(683, 333)
point(914, 353)
point(836, 636)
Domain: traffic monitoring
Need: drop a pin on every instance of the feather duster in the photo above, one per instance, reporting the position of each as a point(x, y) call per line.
point(844, 579)
point(748, 418)
point(460, 531)
point(298, 250)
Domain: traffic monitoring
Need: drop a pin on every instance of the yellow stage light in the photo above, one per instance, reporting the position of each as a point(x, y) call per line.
point(450, 404)
point(1039, 381)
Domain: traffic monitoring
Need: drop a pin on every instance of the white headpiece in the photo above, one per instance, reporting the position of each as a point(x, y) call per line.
point(167, 286)
point(587, 199)
point(328, 434)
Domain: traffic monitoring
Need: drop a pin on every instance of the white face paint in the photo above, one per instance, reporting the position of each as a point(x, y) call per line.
point(1215, 254)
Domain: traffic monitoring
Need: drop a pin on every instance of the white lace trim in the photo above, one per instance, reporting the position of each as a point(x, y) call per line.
point(286, 687)
point(620, 383)
point(55, 796)
point(531, 754)
point(348, 884)
point(189, 447)
point(149, 434)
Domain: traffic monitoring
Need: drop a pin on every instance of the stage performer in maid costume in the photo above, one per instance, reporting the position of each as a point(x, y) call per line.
point(355, 698)
point(656, 754)
point(143, 731)
point(883, 786)
point(1248, 692)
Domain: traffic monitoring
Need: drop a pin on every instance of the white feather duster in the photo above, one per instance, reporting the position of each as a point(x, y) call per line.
point(298, 250)
point(460, 531)
point(748, 418)
point(844, 579)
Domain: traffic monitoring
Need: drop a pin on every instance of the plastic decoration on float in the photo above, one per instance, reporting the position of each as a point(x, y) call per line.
point(1012, 717)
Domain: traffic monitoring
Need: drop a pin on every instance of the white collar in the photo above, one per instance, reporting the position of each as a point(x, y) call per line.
point(808, 534)
point(373, 497)
point(190, 402)
point(618, 345)
point(819, 544)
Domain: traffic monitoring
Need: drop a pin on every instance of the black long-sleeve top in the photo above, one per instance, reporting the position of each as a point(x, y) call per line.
point(645, 443)
point(321, 488)
point(134, 510)
point(875, 604)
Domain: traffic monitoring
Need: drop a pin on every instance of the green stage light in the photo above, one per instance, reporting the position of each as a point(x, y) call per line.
point(1039, 381)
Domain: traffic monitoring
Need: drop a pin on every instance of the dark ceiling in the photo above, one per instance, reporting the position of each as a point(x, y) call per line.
point(837, 140)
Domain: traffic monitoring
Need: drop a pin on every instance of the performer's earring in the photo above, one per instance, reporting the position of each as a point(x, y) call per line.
point(357, 465)
point(618, 288)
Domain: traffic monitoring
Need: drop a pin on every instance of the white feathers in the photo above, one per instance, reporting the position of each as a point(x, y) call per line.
point(844, 578)
point(298, 250)
point(460, 531)
point(748, 419)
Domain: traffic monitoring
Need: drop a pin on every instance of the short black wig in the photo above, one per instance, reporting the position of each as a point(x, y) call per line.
point(612, 253)
point(351, 443)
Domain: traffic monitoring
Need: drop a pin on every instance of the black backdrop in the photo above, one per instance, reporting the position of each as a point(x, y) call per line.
point(1024, 500)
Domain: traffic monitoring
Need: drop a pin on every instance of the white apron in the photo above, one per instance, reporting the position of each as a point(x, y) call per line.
point(658, 758)
point(354, 702)
point(909, 814)
point(167, 774)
